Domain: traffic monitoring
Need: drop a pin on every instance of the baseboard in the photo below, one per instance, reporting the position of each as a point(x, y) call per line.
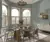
point(45, 31)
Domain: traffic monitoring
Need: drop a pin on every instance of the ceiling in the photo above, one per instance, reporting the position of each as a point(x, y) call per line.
point(28, 1)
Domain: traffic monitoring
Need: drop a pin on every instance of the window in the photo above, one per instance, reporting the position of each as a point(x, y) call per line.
point(14, 12)
point(26, 16)
point(4, 10)
point(15, 16)
point(26, 13)
point(4, 16)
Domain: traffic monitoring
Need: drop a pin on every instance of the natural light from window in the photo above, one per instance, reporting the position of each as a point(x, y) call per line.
point(26, 13)
point(26, 16)
point(4, 10)
point(4, 16)
point(14, 12)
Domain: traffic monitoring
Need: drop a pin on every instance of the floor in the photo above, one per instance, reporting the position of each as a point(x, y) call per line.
point(43, 37)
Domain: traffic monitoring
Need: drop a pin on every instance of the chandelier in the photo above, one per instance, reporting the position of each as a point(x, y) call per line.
point(21, 3)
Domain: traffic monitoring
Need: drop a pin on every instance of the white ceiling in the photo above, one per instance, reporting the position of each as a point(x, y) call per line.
point(28, 1)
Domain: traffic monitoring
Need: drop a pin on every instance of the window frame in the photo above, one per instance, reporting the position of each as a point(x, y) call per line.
point(5, 16)
point(15, 17)
point(26, 16)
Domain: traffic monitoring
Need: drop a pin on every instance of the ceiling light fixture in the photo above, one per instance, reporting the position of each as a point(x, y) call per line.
point(21, 3)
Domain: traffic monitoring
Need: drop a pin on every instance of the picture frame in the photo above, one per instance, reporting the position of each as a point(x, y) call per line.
point(44, 15)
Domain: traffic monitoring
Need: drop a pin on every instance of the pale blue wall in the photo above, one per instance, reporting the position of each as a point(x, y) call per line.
point(45, 4)
point(35, 13)
point(37, 8)
point(27, 6)
point(40, 7)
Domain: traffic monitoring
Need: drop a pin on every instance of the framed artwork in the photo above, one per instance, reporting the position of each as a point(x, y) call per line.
point(44, 15)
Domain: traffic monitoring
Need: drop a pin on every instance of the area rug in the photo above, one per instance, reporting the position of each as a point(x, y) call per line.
point(42, 36)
